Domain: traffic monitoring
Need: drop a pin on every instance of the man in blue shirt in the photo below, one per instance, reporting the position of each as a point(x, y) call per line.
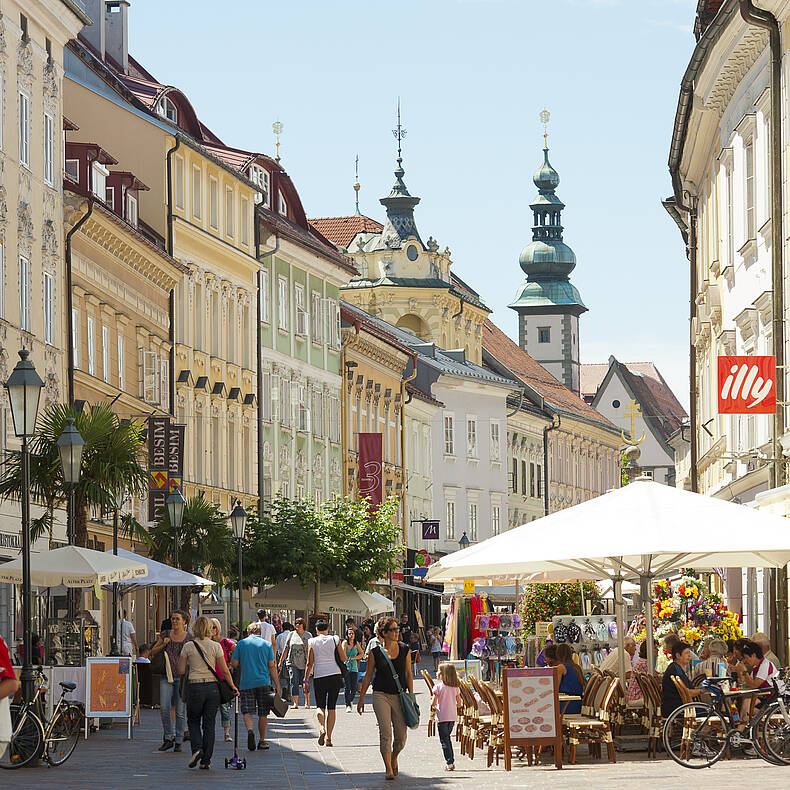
point(255, 656)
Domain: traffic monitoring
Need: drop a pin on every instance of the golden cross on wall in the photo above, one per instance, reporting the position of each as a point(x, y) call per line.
point(633, 412)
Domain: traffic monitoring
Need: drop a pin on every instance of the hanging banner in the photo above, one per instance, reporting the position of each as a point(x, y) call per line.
point(430, 530)
point(747, 385)
point(158, 452)
point(175, 458)
point(370, 467)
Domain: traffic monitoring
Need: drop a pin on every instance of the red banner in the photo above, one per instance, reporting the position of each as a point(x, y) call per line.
point(747, 385)
point(370, 467)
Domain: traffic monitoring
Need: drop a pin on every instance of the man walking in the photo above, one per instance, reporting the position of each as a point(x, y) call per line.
point(268, 631)
point(255, 656)
point(127, 640)
point(405, 629)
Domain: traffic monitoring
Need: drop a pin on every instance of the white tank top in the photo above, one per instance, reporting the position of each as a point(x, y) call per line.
point(324, 663)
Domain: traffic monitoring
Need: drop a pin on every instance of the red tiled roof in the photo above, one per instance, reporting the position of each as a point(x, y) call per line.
point(534, 375)
point(341, 230)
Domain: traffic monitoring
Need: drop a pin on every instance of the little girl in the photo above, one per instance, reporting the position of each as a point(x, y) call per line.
point(446, 691)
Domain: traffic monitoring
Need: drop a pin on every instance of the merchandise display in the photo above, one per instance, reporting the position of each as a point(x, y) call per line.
point(591, 638)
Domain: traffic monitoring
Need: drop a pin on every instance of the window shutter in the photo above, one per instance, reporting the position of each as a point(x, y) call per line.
point(337, 326)
point(151, 376)
point(164, 387)
point(274, 394)
point(141, 373)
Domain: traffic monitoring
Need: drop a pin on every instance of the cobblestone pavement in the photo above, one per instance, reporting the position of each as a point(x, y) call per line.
point(107, 761)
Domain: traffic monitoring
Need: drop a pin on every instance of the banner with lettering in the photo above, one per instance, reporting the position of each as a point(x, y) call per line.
point(158, 452)
point(370, 467)
point(175, 458)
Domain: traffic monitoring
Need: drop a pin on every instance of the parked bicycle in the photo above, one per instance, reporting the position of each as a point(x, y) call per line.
point(33, 737)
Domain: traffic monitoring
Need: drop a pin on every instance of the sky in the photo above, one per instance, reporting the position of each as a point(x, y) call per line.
point(472, 77)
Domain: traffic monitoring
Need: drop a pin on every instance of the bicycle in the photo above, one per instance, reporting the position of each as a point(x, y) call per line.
point(32, 737)
point(776, 726)
point(707, 729)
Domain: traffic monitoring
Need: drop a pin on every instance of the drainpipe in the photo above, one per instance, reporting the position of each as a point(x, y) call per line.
point(555, 423)
point(70, 302)
point(171, 312)
point(693, 417)
point(259, 352)
point(764, 19)
point(403, 383)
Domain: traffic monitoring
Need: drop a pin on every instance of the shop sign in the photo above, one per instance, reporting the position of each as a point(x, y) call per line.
point(419, 573)
point(370, 467)
point(10, 541)
point(422, 559)
point(747, 384)
point(165, 461)
point(430, 530)
point(469, 586)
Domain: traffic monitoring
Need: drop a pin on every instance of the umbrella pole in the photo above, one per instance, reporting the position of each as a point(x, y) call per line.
point(618, 605)
point(647, 600)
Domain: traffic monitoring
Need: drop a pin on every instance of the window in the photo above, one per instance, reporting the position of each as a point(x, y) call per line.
point(285, 403)
point(532, 480)
point(75, 336)
point(49, 150)
point(523, 478)
point(99, 175)
point(260, 176)
point(231, 457)
point(24, 293)
point(334, 420)
point(748, 154)
point(168, 110)
point(120, 362)
point(544, 334)
point(514, 476)
point(473, 521)
point(471, 437)
point(449, 435)
point(2, 268)
point(229, 212)
point(304, 410)
point(24, 129)
point(283, 205)
point(264, 296)
point(495, 519)
point(538, 489)
point(91, 348)
point(284, 489)
point(72, 170)
point(301, 313)
point(49, 307)
point(318, 404)
point(450, 520)
point(317, 326)
point(109, 197)
point(494, 440)
point(213, 208)
point(105, 353)
point(178, 181)
point(131, 210)
point(282, 303)
point(244, 220)
point(266, 396)
point(149, 376)
point(197, 192)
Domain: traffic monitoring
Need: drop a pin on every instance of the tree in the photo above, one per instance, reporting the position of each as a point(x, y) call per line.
point(205, 542)
point(111, 466)
point(541, 602)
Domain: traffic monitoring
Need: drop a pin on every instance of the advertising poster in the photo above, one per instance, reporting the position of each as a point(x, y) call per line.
point(108, 684)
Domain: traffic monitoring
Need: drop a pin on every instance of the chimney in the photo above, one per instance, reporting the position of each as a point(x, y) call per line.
point(116, 32)
point(94, 34)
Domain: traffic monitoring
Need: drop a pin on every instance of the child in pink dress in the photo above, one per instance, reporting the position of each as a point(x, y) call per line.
point(446, 691)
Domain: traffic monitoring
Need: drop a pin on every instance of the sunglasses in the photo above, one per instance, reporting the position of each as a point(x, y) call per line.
point(389, 630)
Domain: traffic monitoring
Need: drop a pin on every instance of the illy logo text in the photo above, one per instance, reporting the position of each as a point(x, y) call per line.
point(747, 385)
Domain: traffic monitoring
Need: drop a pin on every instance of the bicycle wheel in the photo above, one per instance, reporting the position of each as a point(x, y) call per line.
point(695, 735)
point(775, 732)
point(64, 732)
point(27, 739)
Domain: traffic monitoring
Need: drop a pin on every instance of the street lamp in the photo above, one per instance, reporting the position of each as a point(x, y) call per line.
point(463, 543)
point(70, 447)
point(24, 391)
point(238, 521)
point(175, 512)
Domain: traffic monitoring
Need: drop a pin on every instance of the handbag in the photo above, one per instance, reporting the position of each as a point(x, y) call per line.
point(226, 693)
point(278, 705)
point(158, 662)
point(408, 701)
point(183, 687)
point(339, 662)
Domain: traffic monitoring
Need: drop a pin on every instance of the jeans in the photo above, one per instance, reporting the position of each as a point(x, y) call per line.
point(445, 729)
point(203, 701)
point(169, 696)
point(296, 677)
point(225, 712)
point(351, 686)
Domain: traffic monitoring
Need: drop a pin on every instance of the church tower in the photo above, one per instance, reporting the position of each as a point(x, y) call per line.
point(548, 306)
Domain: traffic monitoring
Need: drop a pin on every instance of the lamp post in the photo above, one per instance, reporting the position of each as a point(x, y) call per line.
point(70, 447)
point(24, 390)
point(238, 521)
point(463, 543)
point(175, 512)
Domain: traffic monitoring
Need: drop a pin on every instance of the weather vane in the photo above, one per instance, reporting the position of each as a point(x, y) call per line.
point(545, 115)
point(400, 132)
point(356, 182)
point(277, 128)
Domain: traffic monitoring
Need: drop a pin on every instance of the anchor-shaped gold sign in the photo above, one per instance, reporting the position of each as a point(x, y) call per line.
point(633, 412)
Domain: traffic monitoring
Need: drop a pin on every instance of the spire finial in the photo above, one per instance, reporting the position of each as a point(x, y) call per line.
point(399, 134)
point(545, 115)
point(356, 184)
point(277, 128)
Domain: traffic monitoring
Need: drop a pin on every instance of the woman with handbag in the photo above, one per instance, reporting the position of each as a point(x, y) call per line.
point(326, 661)
point(9, 686)
point(228, 645)
point(389, 659)
point(165, 655)
point(204, 695)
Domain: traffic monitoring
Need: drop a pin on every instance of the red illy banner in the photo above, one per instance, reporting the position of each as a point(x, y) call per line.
point(370, 467)
point(747, 385)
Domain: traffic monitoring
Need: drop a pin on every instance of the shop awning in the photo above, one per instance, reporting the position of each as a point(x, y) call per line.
point(413, 588)
point(159, 574)
point(334, 599)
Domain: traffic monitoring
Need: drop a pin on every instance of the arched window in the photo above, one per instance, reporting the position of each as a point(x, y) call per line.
point(167, 109)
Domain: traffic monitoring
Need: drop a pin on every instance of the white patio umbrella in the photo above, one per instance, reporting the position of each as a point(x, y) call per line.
point(159, 574)
point(73, 566)
point(378, 603)
point(339, 598)
point(637, 533)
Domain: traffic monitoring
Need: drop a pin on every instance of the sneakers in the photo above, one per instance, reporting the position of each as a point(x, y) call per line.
point(195, 758)
point(449, 767)
point(228, 739)
point(263, 746)
point(348, 708)
point(205, 766)
point(251, 740)
point(177, 747)
point(167, 744)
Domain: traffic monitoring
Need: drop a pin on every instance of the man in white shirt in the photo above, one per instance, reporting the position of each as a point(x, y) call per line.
point(612, 662)
point(268, 631)
point(127, 641)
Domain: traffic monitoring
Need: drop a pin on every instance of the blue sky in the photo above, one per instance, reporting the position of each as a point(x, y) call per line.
point(473, 76)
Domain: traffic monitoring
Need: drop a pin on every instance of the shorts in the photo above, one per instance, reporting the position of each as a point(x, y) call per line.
point(326, 690)
point(255, 700)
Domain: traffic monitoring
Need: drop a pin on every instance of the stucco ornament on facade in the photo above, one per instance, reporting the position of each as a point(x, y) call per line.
point(735, 68)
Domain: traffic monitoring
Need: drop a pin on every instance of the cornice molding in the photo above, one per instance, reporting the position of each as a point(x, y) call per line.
point(742, 57)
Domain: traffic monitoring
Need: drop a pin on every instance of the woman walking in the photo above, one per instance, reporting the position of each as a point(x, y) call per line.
point(353, 654)
point(388, 653)
point(203, 698)
point(227, 646)
point(294, 658)
point(323, 664)
point(172, 641)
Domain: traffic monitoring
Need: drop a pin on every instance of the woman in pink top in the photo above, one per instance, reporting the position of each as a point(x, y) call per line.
point(445, 701)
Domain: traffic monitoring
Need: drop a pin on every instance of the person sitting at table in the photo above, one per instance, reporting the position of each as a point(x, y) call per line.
point(142, 655)
point(765, 643)
point(755, 671)
point(633, 694)
point(612, 662)
point(670, 696)
point(571, 678)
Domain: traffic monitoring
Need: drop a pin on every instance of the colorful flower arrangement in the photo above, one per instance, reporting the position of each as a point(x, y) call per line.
point(542, 602)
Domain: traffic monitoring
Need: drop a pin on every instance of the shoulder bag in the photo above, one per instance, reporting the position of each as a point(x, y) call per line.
point(341, 664)
point(158, 666)
point(225, 691)
point(408, 701)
